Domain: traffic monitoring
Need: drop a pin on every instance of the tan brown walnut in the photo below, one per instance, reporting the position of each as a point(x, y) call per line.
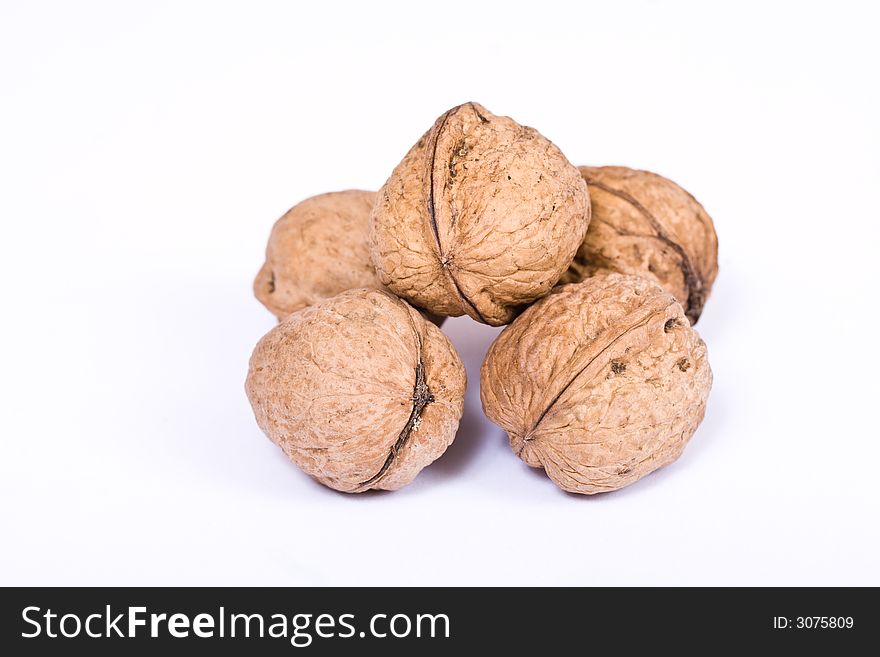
point(318, 249)
point(481, 217)
point(359, 390)
point(599, 383)
point(646, 225)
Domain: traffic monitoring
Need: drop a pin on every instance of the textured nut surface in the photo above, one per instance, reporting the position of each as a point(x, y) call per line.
point(646, 225)
point(482, 216)
point(358, 390)
point(319, 248)
point(599, 383)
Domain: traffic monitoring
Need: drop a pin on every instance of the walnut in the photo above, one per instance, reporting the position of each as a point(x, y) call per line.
point(646, 225)
point(599, 383)
point(481, 217)
point(358, 390)
point(318, 249)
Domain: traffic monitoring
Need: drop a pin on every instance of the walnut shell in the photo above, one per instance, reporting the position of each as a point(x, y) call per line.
point(646, 225)
point(358, 390)
point(481, 217)
point(318, 249)
point(599, 383)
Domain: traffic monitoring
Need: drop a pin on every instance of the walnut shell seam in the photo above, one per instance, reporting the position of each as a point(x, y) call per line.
point(422, 396)
point(432, 207)
point(692, 280)
point(608, 342)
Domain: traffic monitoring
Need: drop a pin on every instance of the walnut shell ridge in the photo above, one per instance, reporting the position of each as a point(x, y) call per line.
point(481, 217)
point(359, 390)
point(599, 383)
point(646, 225)
point(319, 248)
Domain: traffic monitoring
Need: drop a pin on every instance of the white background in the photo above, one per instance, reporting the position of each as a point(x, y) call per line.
point(147, 148)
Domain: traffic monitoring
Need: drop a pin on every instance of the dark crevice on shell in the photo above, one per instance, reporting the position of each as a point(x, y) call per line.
point(693, 305)
point(432, 214)
point(422, 396)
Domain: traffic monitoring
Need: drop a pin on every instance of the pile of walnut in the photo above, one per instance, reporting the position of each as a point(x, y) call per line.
point(599, 378)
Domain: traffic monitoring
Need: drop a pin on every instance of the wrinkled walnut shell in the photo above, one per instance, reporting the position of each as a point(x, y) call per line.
point(646, 225)
point(318, 249)
point(481, 217)
point(599, 383)
point(358, 390)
